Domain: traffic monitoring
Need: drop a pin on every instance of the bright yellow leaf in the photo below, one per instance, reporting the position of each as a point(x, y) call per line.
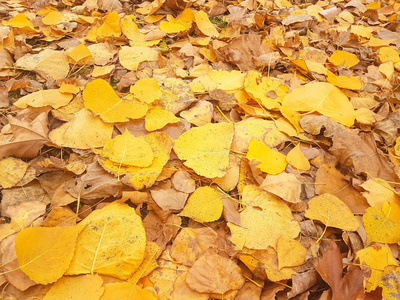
point(345, 82)
point(264, 220)
point(12, 170)
point(43, 98)
point(204, 205)
point(54, 18)
point(388, 54)
point(20, 21)
point(88, 287)
point(291, 253)
point(100, 98)
point(321, 97)
point(344, 58)
point(297, 159)
point(361, 31)
point(377, 258)
point(206, 148)
point(126, 149)
point(379, 226)
point(80, 53)
point(205, 25)
point(131, 57)
point(111, 243)
point(68, 88)
point(271, 162)
point(44, 253)
point(84, 131)
point(392, 211)
point(331, 211)
point(378, 192)
point(110, 27)
point(156, 118)
point(146, 90)
point(148, 264)
point(129, 26)
point(172, 27)
point(387, 69)
point(127, 291)
point(139, 178)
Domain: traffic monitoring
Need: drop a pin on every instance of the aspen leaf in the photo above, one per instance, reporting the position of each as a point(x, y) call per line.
point(388, 54)
point(172, 27)
point(397, 146)
point(343, 58)
point(297, 159)
point(53, 18)
point(148, 264)
point(111, 243)
point(377, 192)
point(182, 291)
point(205, 25)
point(146, 90)
point(271, 162)
point(379, 227)
point(80, 53)
point(43, 98)
point(204, 205)
point(264, 220)
point(331, 211)
point(84, 131)
point(283, 185)
point(137, 177)
point(88, 287)
point(291, 253)
point(345, 82)
point(131, 57)
point(127, 291)
point(206, 148)
point(12, 170)
point(20, 21)
point(390, 285)
point(156, 118)
point(324, 98)
point(44, 253)
point(127, 149)
point(110, 27)
point(377, 258)
point(100, 98)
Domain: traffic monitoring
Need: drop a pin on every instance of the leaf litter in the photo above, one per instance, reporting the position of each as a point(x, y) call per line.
point(199, 149)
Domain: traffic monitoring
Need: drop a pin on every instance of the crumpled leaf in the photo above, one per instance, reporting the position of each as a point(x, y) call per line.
point(264, 220)
point(100, 98)
point(206, 148)
point(321, 97)
point(44, 253)
point(204, 205)
point(331, 211)
point(84, 131)
point(88, 287)
point(126, 149)
point(112, 243)
point(212, 273)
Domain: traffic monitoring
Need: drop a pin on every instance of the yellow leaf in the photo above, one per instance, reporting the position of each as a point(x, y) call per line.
point(291, 253)
point(297, 159)
point(283, 185)
point(54, 18)
point(206, 148)
point(205, 25)
point(264, 220)
point(331, 211)
point(392, 211)
point(43, 98)
point(20, 21)
point(111, 243)
point(388, 54)
point(157, 118)
point(387, 69)
point(221, 80)
point(80, 53)
point(44, 63)
point(12, 170)
point(378, 192)
point(271, 162)
point(131, 57)
point(361, 31)
point(146, 90)
point(390, 285)
point(148, 264)
point(102, 71)
point(204, 205)
point(88, 287)
point(397, 146)
point(44, 253)
point(377, 258)
point(129, 26)
point(126, 149)
point(100, 98)
point(345, 82)
point(110, 27)
point(344, 58)
point(139, 178)
point(379, 226)
point(69, 88)
point(324, 98)
point(127, 291)
point(172, 27)
point(84, 131)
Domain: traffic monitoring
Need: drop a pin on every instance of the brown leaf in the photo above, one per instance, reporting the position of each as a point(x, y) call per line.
point(169, 199)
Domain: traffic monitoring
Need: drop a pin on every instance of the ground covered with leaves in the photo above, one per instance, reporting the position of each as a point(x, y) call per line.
point(183, 149)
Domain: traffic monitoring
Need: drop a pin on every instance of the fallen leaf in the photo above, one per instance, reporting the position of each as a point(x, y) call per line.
point(283, 185)
point(44, 97)
point(169, 199)
point(12, 170)
point(379, 227)
point(157, 118)
point(126, 291)
point(290, 252)
point(131, 57)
